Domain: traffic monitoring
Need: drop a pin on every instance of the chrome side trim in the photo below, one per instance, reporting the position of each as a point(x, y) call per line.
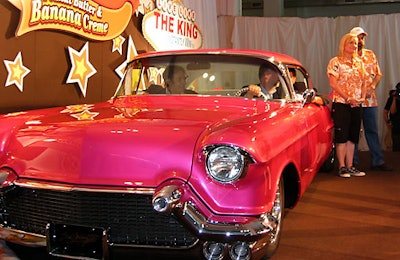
point(69, 187)
point(22, 238)
point(205, 229)
point(155, 247)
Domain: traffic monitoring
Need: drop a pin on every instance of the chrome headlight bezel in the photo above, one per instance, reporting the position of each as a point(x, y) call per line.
point(225, 163)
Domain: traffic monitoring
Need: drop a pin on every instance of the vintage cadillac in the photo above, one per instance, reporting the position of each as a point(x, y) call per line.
point(207, 173)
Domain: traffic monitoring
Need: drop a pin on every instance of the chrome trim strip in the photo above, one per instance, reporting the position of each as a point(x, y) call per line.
point(73, 257)
point(155, 247)
point(22, 238)
point(69, 187)
point(205, 229)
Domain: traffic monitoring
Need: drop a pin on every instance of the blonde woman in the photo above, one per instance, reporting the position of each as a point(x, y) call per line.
point(346, 75)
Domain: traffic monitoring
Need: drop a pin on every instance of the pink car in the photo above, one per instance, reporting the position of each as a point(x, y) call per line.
point(206, 173)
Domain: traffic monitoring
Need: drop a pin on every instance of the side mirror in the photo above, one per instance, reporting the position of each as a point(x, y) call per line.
point(308, 96)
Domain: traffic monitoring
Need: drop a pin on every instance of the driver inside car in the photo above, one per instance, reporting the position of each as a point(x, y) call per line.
point(269, 82)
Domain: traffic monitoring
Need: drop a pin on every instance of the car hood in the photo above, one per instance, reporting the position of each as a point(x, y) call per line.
point(137, 141)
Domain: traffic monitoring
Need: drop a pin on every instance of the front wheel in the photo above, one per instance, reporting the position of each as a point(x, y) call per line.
point(277, 213)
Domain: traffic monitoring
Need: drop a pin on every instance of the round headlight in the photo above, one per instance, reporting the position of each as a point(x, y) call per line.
point(225, 163)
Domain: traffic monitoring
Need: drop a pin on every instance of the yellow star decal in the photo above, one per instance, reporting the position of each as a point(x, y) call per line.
point(81, 69)
point(16, 72)
point(76, 108)
point(117, 44)
point(85, 115)
point(119, 116)
point(132, 52)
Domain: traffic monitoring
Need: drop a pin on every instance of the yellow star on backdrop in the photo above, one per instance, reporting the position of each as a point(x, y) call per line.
point(16, 72)
point(155, 75)
point(145, 6)
point(81, 69)
point(132, 52)
point(117, 44)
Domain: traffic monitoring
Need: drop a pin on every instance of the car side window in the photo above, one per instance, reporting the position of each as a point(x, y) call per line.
point(298, 80)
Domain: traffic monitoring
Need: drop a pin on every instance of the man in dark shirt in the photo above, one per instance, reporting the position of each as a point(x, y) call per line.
point(393, 106)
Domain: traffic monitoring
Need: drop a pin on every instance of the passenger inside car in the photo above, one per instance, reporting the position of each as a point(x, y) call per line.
point(175, 82)
point(299, 87)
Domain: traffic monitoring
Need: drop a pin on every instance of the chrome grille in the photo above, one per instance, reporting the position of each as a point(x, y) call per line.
point(128, 217)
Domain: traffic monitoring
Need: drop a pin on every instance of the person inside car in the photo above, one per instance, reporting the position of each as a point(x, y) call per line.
point(299, 87)
point(269, 83)
point(175, 82)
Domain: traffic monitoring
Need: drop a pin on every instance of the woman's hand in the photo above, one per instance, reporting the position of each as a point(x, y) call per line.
point(354, 102)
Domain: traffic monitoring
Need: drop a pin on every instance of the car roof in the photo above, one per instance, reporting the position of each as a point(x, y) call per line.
point(276, 56)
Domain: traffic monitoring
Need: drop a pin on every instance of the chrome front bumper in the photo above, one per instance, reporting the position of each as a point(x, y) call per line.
point(188, 216)
point(225, 232)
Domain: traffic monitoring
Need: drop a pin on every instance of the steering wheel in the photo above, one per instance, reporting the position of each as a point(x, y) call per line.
point(245, 89)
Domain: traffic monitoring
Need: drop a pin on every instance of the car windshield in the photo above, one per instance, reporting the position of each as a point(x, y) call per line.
point(196, 74)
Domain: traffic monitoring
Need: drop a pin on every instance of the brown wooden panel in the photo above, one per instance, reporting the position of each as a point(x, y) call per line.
point(46, 54)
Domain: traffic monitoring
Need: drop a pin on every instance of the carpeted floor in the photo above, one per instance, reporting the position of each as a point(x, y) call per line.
point(339, 218)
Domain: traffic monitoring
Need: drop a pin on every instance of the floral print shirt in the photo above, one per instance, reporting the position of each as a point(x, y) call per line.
point(372, 68)
point(350, 75)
